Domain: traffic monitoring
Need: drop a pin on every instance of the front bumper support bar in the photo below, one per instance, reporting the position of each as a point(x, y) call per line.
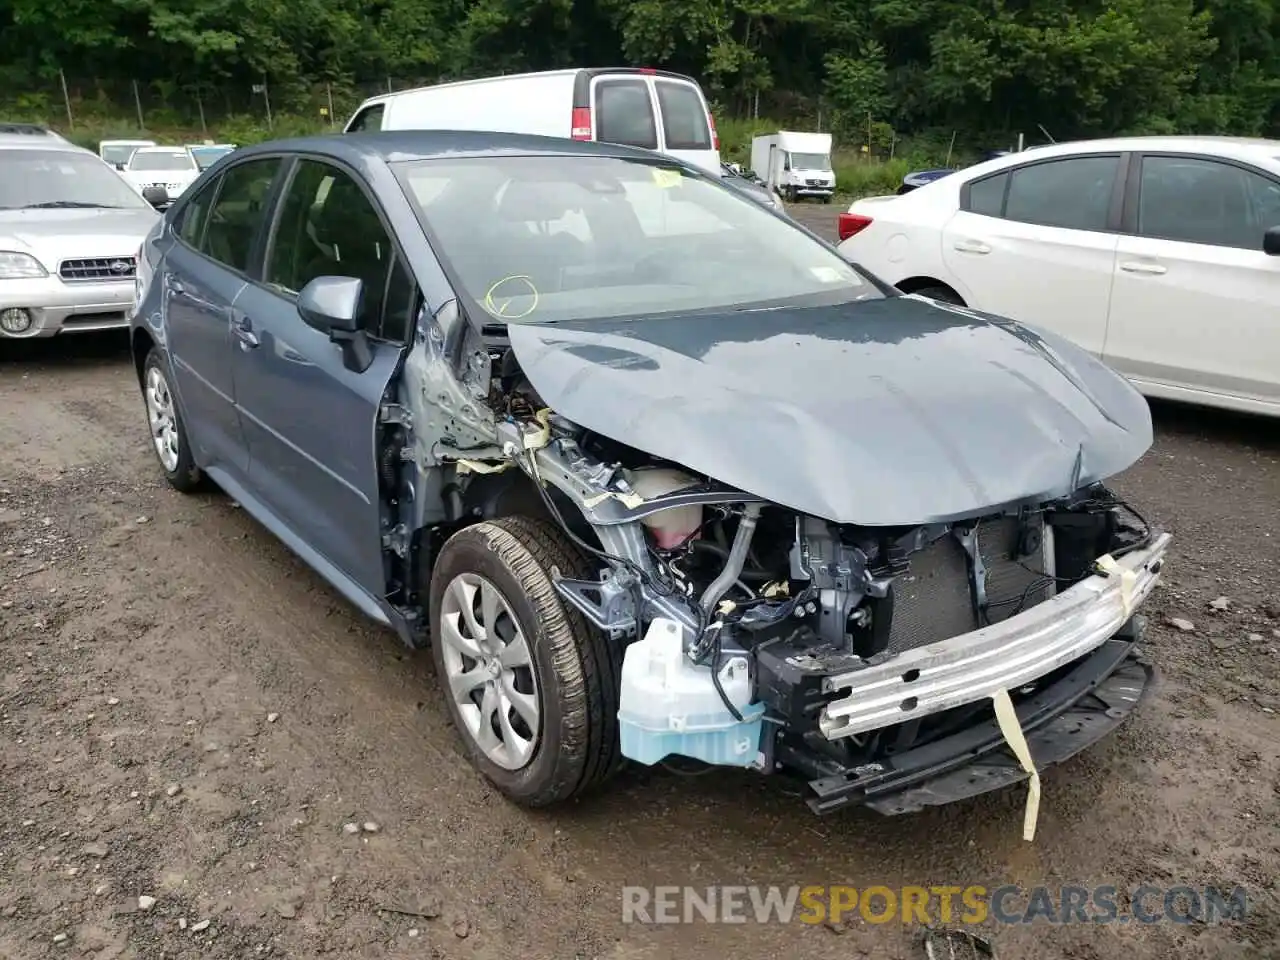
point(1076, 711)
point(974, 666)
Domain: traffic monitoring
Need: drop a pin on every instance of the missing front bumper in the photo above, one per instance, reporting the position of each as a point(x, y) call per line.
point(1088, 702)
point(974, 666)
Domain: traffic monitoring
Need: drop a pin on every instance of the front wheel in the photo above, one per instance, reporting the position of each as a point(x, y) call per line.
point(531, 687)
point(168, 434)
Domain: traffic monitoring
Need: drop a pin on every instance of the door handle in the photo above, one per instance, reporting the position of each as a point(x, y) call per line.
point(173, 284)
point(244, 333)
point(972, 246)
point(1139, 266)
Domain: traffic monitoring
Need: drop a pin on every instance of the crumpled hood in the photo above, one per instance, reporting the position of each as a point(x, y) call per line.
point(52, 235)
point(882, 412)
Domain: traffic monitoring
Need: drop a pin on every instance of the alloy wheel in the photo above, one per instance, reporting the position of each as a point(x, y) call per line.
point(162, 417)
point(489, 667)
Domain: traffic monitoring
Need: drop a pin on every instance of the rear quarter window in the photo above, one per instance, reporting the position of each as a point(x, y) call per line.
point(684, 117)
point(624, 114)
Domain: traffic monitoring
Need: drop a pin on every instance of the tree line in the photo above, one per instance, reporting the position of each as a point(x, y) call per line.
point(1074, 68)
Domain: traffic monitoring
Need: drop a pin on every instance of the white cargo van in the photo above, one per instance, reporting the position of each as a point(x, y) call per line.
point(797, 164)
point(639, 107)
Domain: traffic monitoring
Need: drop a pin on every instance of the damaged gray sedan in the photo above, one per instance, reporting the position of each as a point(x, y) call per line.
point(655, 472)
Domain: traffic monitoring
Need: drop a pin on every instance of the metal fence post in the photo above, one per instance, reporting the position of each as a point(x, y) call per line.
point(137, 101)
point(328, 90)
point(266, 97)
point(66, 98)
point(204, 129)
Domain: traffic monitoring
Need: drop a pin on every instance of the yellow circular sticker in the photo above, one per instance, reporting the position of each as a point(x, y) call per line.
point(503, 305)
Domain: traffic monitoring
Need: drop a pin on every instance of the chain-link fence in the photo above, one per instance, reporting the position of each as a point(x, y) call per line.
point(89, 109)
point(241, 112)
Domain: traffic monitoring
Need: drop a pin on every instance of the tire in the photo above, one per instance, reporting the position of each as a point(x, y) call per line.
point(575, 668)
point(941, 294)
point(826, 199)
point(164, 421)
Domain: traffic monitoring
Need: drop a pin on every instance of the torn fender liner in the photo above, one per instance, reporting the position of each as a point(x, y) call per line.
point(881, 412)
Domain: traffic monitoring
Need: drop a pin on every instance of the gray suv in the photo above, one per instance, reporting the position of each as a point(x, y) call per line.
point(70, 229)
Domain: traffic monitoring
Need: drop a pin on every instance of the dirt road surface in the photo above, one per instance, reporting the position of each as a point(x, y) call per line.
point(188, 714)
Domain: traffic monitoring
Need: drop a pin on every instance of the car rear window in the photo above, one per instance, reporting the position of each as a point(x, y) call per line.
point(546, 239)
point(145, 159)
point(624, 114)
point(684, 118)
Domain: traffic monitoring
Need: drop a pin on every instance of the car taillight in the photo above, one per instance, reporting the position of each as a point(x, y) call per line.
point(715, 137)
point(850, 223)
point(581, 123)
point(648, 70)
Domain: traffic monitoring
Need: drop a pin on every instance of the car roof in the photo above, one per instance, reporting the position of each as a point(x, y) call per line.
point(25, 141)
point(562, 72)
point(160, 148)
point(1255, 148)
point(399, 146)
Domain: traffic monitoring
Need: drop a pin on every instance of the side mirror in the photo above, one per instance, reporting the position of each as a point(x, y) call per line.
point(331, 305)
point(156, 196)
point(1271, 242)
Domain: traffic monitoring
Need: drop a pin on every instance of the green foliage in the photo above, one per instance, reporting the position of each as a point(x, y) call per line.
point(977, 70)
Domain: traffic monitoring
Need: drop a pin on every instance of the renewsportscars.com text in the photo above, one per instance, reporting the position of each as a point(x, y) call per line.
point(972, 904)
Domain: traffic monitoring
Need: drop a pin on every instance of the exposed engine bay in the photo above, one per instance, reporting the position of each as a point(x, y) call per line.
point(807, 645)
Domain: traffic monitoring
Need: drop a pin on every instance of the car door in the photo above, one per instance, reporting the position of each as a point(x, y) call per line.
point(1037, 243)
point(311, 422)
point(1195, 298)
point(203, 272)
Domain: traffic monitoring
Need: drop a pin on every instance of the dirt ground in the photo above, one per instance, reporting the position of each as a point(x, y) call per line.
point(188, 714)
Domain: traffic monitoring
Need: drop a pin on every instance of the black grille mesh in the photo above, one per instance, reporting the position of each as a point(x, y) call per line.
point(933, 600)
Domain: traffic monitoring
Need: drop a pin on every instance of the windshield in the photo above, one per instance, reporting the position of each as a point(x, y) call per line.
point(205, 156)
point(161, 160)
point(119, 153)
point(543, 239)
point(60, 178)
point(810, 161)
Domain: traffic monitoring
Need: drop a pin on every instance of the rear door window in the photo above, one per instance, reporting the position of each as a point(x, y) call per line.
point(1073, 193)
point(237, 215)
point(684, 117)
point(624, 113)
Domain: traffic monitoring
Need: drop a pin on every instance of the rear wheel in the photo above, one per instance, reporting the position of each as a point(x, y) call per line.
point(531, 687)
point(941, 294)
point(168, 434)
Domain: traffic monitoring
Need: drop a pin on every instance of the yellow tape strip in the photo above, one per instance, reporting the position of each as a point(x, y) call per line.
point(1107, 564)
point(477, 466)
point(1007, 718)
point(628, 500)
point(540, 438)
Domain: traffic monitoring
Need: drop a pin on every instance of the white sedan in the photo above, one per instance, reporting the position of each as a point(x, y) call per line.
point(1160, 255)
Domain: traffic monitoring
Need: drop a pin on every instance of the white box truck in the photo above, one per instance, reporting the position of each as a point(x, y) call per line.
point(797, 164)
point(636, 106)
